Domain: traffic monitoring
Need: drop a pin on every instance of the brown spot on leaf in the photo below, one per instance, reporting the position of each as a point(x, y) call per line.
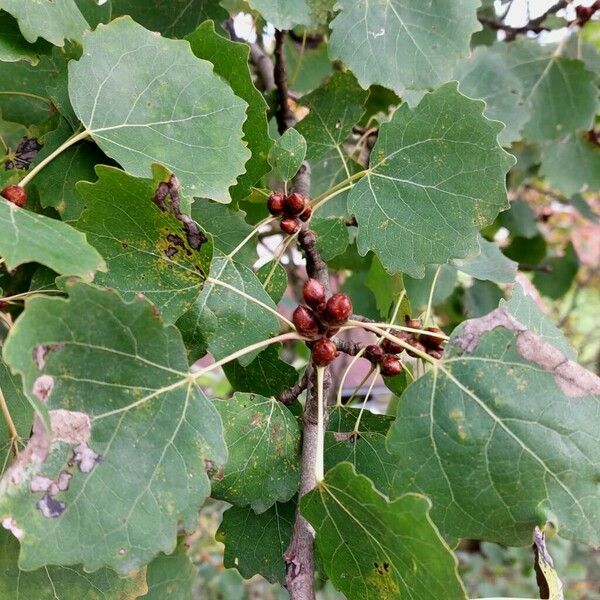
point(42, 387)
point(85, 458)
point(41, 352)
point(573, 379)
point(50, 507)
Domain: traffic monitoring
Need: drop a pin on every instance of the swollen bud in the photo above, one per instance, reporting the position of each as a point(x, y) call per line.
point(324, 352)
point(275, 204)
point(417, 346)
point(290, 226)
point(374, 353)
point(392, 347)
point(15, 194)
point(314, 293)
point(390, 366)
point(305, 321)
point(429, 341)
point(412, 323)
point(307, 214)
point(338, 309)
point(294, 204)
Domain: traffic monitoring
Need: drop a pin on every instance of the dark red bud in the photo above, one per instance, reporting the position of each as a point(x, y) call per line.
point(314, 293)
point(323, 352)
point(374, 353)
point(307, 214)
point(429, 341)
point(15, 194)
point(290, 226)
point(417, 346)
point(392, 347)
point(294, 204)
point(275, 204)
point(305, 321)
point(338, 309)
point(390, 366)
point(413, 323)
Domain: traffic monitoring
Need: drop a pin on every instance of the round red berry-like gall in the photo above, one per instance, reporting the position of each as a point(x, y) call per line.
point(314, 293)
point(290, 226)
point(307, 214)
point(412, 323)
point(390, 366)
point(306, 322)
point(374, 353)
point(15, 194)
point(275, 204)
point(417, 346)
point(392, 347)
point(338, 309)
point(324, 352)
point(294, 204)
point(431, 342)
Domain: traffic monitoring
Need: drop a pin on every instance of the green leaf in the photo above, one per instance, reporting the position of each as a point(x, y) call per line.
point(148, 248)
point(227, 227)
point(524, 308)
point(343, 419)
point(256, 543)
point(283, 14)
point(334, 108)
point(20, 412)
point(559, 92)
point(230, 60)
point(371, 548)
point(442, 282)
point(287, 154)
point(171, 576)
point(12, 45)
point(481, 298)
point(56, 182)
point(52, 583)
point(385, 287)
point(563, 269)
point(400, 46)
point(274, 278)
point(267, 374)
point(175, 18)
point(520, 219)
point(436, 177)
point(130, 432)
point(220, 314)
point(332, 236)
point(53, 20)
point(487, 75)
point(28, 237)
point(492, 437)
point(146, 99)
point(263, 440)
point(307, 67)
point(490, 264)
point(572, 165)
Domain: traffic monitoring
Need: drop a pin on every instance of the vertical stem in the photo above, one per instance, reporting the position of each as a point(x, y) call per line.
point(285, 117)
point(320, 458)
point(430, 301)
point(10, 424)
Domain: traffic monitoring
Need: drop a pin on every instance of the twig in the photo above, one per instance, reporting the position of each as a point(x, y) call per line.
point(284, 116)
point(288, 396)
point(349, 347)
point(10, 424)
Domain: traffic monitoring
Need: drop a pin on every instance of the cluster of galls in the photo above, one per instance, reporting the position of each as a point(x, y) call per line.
point(385, 355)
point(321, 319)
point(15, 194)
point(293, 209)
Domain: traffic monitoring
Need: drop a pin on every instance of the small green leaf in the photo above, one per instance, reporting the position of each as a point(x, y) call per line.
point(129, 431)
point(442, 279)
point(148, 248)
point(171, 576)
point(372, 548)
point(520, 219)
point(267, 374)
point(490, 264)
point(332, 236)
point(385, 287)
point(53, 20)
point(256, 543)
point(230, 60)
point(343, 419)
point(502, 436)
point(274, 278)
point(146, 99)
point(28, 237)
point(175, 18)
point(572, 165)
point(398, 45)
point(287, 154)
point(437, 175)
point(72, 583)
point(283, 14)
point(12, 45)
point(263, 440)
point(557, 281)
